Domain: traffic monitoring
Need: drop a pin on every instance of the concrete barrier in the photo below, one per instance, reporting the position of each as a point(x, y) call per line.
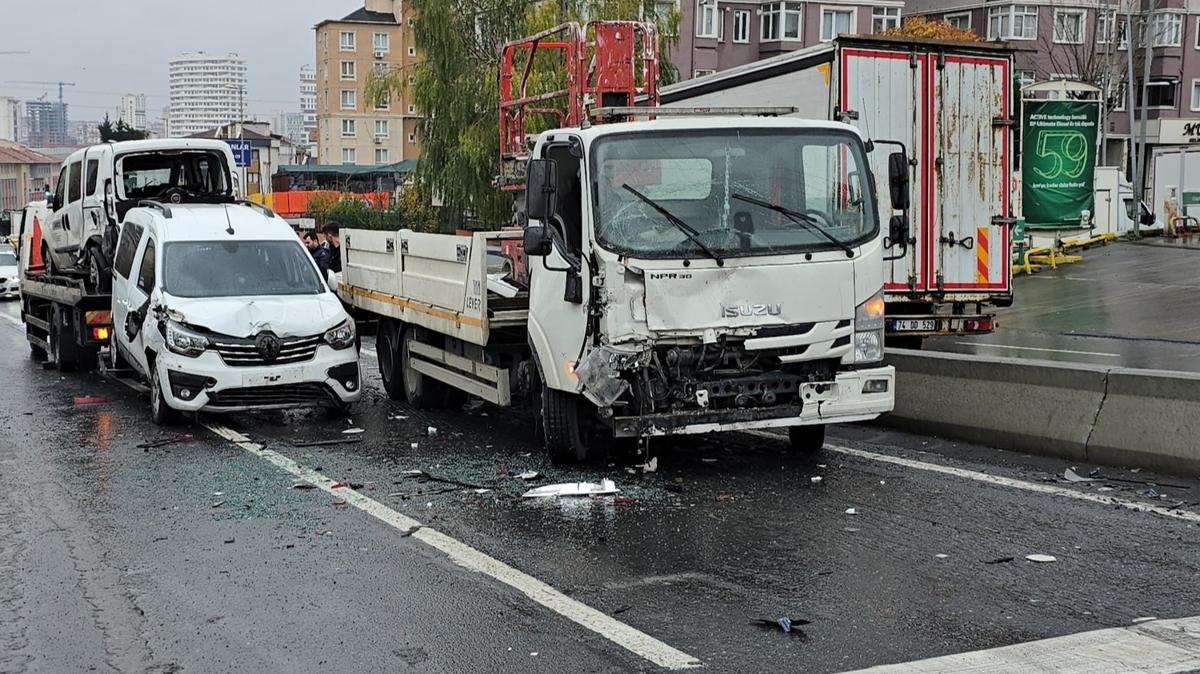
point(1087, 413)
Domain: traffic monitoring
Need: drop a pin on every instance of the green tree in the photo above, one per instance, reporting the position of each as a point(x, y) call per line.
point(110, 132)
point(455, 86)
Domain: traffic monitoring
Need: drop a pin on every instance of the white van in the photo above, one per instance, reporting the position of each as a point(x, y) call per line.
point(221, 308)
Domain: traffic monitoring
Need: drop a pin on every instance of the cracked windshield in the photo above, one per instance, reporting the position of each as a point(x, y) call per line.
point(741, 193)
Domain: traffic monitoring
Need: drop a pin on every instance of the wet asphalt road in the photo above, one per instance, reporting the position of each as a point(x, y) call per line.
point(1127, 305)
point(197, 556)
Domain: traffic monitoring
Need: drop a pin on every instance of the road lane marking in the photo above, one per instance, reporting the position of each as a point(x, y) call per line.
point(1035, 348)
point(633, 640)
point(998, 480)
point(1154, 647)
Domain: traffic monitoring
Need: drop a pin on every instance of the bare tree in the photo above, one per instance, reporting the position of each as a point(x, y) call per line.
point(1072, 53)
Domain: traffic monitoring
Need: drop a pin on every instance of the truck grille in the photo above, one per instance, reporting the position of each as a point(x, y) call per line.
point(285, 395)
point(242, 352)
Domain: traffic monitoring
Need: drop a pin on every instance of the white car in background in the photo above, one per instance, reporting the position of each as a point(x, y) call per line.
point(10, 281)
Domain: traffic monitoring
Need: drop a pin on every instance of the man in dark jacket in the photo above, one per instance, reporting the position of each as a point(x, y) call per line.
point(333, 241)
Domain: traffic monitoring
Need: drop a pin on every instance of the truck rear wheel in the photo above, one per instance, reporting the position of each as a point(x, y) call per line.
point(807, 439)
point(422, 392)
point(63, 354)
point(388, 349)
point(562, 427)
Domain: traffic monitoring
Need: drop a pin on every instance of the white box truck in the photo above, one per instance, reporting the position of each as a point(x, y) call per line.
point(950, 104)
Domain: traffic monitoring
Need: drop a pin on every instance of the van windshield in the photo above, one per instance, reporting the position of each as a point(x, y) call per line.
point(722, 184)
point(196, 174)
point(238, 269)
point(7, 258)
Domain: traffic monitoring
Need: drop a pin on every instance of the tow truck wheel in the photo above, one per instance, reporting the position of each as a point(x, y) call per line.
point(160, 413)
point(99, 279)
point(807, 439)
point(63, 362)
point(388, 347)
point(47, 261)
point(421, 391)
point(561, 427)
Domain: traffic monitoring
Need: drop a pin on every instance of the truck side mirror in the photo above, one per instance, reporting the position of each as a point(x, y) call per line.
point(898, 229)
point(541, 182)
point(898, 180)
point(538, 242)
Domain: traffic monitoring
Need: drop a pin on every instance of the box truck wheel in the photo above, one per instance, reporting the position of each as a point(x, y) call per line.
point(422, 392)
point(389, 355)
point(807, 438)
point(160, 413)
point(562, 428)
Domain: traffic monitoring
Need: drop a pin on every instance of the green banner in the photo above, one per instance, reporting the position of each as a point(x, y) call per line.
point(1058, 161)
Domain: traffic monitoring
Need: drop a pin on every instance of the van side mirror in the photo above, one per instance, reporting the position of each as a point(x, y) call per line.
point(898, 229)
point(898, 180)
point(541, 182)
point(538, 242)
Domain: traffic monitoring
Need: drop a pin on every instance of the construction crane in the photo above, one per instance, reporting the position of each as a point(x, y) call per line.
point(60, 85)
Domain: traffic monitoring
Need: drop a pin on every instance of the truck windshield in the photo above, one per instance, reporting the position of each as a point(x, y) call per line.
point(238, 269)
point(698, 175)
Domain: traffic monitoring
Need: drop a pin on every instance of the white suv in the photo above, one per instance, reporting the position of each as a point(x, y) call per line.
point(221, 308)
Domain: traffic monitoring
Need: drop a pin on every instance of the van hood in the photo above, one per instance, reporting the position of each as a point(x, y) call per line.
point(8, 271)
point(286, 316)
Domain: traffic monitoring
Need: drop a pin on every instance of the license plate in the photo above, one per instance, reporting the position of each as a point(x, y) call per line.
point(289, 375)
point(914, 325)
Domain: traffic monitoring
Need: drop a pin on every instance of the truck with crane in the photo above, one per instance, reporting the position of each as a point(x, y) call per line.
point(672, 272)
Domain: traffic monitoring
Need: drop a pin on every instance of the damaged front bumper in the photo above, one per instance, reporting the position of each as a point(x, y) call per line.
point(858, 395)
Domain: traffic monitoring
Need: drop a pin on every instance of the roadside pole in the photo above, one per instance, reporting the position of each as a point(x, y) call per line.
point(1132, 106)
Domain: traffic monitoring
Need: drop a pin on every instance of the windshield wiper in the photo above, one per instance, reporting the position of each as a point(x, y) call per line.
point(684, 227)
point(798, 218)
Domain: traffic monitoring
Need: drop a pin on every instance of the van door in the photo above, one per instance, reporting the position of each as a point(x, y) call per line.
point(124, 291)
point(54, 231)
point(91, 213)
point(969, 238)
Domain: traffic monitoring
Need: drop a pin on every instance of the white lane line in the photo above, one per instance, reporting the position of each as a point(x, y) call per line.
point(1155, 647)
point(1034, 348)
point(619, 633)
point(999, 480)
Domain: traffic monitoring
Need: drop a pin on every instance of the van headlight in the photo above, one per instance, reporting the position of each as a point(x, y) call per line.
point(868, 330)
point(341, 337)
point(185, 342)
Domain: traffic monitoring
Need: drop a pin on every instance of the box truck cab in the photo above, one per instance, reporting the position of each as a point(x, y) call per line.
point(99, 184)
point(220, 308)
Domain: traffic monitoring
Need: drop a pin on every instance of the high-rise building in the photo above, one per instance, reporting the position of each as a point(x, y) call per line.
point(10, 119)
point(133, 110)
point(46, 124)
point(84, 133)
point(351, 127)
point(308, 102)
point(206, 91)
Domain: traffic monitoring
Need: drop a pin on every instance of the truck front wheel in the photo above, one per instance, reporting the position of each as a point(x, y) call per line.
point(807, 439)
point(389, 352)
point(421, 391)
point(562, 428)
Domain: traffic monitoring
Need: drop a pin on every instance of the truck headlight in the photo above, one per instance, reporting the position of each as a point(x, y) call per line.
point(341, 337)
point(185, 342)
point(868, 330)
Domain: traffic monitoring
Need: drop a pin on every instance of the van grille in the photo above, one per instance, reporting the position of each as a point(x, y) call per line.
point(242, 352)
point(286, 394)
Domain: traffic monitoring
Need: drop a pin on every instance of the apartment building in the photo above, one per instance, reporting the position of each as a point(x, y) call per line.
point(1089, 41)
point(133, 110)
point(352, 128)
point(206, 90)
point(716, 35)
point(308, 103)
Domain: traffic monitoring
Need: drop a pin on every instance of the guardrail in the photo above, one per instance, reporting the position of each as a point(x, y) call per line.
point(1088, 413)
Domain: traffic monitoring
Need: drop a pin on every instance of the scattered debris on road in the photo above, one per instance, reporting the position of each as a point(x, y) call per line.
point(81, 401)
point(851, 511)
point(650, 466)
point(340, 502)
point(431, 431)
point(603, 488)
point(354, 431)
point(942, 556)
point(1000, 560)
point(724, 497)
point(318, 443)
point(785, 624)
point(1145, 619)
point(529, 475)
point(1041, 559)
point(171, 440)
point(409, 532)
point(816, 479)
point(1071, 476)
point(422, 476)
point(304, 485)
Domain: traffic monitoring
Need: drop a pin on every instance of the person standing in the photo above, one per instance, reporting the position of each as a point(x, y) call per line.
point(333, 240)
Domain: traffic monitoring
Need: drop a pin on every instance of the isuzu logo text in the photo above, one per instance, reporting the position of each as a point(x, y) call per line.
point(735, 310)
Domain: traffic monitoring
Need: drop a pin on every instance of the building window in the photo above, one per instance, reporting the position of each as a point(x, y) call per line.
point(349, 156)
point(1160, 92)
point(325, 72)
point(835, 22)
point(412, 109)
point(348, 128)
point(349, 70)
point(381, 155)
point(349, 99)
point(383, 102)
point(701, 72)
point(381, 42)
point(781, 21)
point(381, 69)
point(706, 18)
point(1015, 22)
point(347, 42)
point(884, 18)
point(960, 21)
point(1024, 78)
point(1166, 29)
point(381, 128)
point(412, 51)
point(1069, 25)
point(1198, 32)
point(325, 40)
point(741, 25)
point(1195, 95)
point(1105, 22)
point(1119, 97)
point(412, 137)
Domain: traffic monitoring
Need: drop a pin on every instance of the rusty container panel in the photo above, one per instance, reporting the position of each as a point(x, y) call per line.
point(968, 247)
point(884, 93)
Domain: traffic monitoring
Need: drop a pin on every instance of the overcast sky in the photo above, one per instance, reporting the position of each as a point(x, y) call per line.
point(112, 47)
